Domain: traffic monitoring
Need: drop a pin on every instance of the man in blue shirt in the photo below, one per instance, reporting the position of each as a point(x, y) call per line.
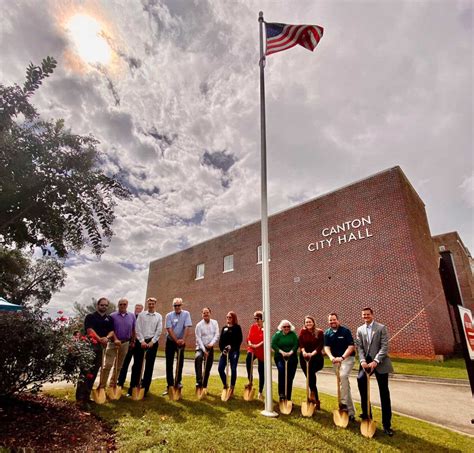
point(339, 347)
point(178, 326)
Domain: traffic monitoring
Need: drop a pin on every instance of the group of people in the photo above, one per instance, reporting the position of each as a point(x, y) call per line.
point(121, 336)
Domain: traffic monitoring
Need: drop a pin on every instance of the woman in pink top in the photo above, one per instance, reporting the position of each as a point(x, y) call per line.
point(311, 343)
point(255, 347)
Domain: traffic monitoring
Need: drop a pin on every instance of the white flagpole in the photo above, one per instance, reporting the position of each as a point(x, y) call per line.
point(269, 412)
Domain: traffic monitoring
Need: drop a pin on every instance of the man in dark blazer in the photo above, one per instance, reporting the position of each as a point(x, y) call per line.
point(372, 344)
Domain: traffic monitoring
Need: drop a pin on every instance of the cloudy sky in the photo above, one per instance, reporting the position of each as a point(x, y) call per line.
point(170, 88)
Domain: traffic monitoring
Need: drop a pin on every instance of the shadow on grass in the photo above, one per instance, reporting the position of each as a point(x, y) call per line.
point(159, 421)
point(324, 429)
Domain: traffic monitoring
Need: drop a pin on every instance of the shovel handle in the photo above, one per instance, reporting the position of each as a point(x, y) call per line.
point(142, 370)
point(177, 366)
point(369, 412)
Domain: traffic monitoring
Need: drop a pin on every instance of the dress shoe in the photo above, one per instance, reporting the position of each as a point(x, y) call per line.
point(388, 431)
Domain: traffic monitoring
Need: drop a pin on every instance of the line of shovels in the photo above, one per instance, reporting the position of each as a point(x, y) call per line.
point(99, 394)
point(341, 417)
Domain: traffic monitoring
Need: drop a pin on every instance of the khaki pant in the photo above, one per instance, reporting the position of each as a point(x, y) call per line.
point(111, 359)
point(344, 373)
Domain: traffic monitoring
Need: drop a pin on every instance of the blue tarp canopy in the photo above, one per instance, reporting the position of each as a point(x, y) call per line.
point(7, 306)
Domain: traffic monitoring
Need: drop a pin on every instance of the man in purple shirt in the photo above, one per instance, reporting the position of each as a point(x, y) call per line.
point(124, 329)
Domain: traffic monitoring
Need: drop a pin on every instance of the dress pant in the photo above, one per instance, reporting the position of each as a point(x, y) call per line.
point(126, 364)
point(233, 361)
point(112, 359)
point(316, 363)
point(198, 360)
point(344, 373)
point(382, 381)
point(261, 370)
point(87, 376)
point(291, 370)
point(138, 353)
point(171, 350)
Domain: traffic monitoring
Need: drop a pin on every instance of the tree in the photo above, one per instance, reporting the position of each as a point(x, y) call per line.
point(51, 183)
point(24, 280)
point(81, 310)
point(34, 350)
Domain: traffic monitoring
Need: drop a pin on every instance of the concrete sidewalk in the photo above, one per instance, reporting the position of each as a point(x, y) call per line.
point(444, 402)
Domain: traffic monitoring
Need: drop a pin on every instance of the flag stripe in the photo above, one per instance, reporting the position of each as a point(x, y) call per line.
point(285, 36)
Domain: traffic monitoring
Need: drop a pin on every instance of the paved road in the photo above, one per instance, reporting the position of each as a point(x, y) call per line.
point(445, 403)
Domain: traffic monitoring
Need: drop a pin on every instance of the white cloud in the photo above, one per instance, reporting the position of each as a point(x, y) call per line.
point(389, 84)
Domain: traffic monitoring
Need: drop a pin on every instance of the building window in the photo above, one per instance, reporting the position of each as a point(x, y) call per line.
point(200, 271)
point(228, 263)
point(259, 254)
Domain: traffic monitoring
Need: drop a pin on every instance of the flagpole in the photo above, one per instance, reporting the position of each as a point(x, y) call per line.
point(268, 412)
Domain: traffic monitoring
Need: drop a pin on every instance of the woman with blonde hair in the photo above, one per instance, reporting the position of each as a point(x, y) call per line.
point(285, 345)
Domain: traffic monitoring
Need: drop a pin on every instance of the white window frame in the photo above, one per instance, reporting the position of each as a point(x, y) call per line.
point(231, 267)
point(259, 254)
point(200, 270)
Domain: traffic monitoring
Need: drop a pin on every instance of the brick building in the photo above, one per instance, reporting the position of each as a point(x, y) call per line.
point(368, 243)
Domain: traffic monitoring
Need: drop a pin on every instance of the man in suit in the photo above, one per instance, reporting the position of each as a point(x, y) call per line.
point(372, 344)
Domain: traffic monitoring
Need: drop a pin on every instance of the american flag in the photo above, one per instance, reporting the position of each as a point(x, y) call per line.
point(283, 36)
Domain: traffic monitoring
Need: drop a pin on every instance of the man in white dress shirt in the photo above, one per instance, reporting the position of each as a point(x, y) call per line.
point(207, 335)
point(148, 330)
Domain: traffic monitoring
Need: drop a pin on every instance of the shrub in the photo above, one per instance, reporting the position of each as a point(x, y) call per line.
point(34, 350)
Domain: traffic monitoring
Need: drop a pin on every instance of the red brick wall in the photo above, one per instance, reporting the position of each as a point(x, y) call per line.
point(386, 271)
point(452, 243)
point(435, 315)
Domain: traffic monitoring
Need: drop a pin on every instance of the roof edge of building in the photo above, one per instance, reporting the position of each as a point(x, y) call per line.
point(458, 239)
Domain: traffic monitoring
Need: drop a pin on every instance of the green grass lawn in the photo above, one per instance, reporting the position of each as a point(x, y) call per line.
point(158, 424)
point(449, 369)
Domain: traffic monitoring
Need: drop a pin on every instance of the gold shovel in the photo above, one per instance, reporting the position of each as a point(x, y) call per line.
point(138, 392)
point(249, 391)
point(200, 391)
point(226, 392)
point(369, 426)
point(114, 393)
point(98, 394)
point(174, 391)
point(286, 406)
point(340, 417)
point(307, 407)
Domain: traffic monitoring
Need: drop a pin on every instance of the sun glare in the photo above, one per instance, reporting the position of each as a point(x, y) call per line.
point(86, 34)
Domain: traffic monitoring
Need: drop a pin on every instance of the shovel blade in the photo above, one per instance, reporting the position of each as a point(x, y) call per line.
point(341, 418)
point(171, 390)
point(368, 428)
point(138, 393)
point(307, 409)
point(176, 395)
point(199, 393)
point(226, 394)
point(286, 406)
point(99, 395)
point(114, 393)
point(249, 392)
